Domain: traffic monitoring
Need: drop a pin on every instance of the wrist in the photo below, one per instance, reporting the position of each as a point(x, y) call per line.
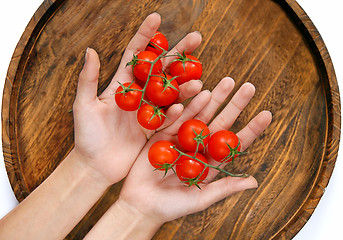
point(134, 215)
point(87, 170)
point(122, 221)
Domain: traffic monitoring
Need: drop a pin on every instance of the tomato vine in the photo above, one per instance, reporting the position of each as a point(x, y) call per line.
point(160, 90)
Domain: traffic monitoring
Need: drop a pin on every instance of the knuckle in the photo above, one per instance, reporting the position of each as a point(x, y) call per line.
point(221, 123)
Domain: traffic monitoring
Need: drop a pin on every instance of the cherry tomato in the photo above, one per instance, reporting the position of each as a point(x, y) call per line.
point(186, 67)
point(161, 155)
point(128, 96)
point(150, 117)
point(223, 146)
point(193, 132)
point(162, 90)
point(190, 170)
point(141, 69)
point(157, 42)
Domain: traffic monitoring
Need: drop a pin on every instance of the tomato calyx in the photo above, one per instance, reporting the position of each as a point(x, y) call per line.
point(157, 47)
point(166, 167)
point(127, 89)
point(199, 138)
point(157, 111)
point(233, 153)
point(166, 82)
point(135, 60)
point(193, 181)
point(183, 58)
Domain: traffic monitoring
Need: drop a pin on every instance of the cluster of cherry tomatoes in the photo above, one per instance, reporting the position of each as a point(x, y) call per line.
point(153, 89)
point(190, 164)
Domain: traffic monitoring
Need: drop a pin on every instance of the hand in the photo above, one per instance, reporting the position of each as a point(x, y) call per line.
point(107, 138)
point(169, 199)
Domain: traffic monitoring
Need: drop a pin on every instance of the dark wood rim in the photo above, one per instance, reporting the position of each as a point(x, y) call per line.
point(47, 10)
point(330, 83)
point(18, 62)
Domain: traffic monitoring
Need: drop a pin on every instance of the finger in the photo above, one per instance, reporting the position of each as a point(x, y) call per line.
point(173, 113)
point(188, 44)
point(246, 136)
point(189, 89)
point(88, 78)
point(141, 39)
point(222, 188)
point(229, 114)
point(192, 109)
point(219, 94)
point(254, 128)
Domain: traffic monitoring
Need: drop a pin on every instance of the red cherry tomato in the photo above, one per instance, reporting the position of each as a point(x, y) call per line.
point(190, 170)
point(162, 90)
point(157, 42)
point(223, 146)
point(186, 67)
point(141, 69)
point(150, 117)
point(161, 155)
point(191, 133)
point(128, 96)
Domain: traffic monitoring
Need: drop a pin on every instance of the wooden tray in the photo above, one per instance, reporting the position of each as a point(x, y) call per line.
point(272, 44)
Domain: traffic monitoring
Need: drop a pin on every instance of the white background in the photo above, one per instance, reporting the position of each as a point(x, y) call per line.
point(326, 222)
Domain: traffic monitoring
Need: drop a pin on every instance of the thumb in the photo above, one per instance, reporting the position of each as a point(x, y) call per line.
point(223, 188)
point(88, 78)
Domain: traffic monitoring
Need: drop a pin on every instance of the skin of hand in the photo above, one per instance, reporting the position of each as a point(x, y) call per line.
point(147, 199)
point(168, 198)
point(107, 138)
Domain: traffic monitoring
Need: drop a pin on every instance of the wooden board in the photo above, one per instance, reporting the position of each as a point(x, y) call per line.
point(272, 44)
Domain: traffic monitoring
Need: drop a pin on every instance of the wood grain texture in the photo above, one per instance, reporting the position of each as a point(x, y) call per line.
point(272, 44)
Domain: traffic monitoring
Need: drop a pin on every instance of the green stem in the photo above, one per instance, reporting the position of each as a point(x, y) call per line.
point(150, 75)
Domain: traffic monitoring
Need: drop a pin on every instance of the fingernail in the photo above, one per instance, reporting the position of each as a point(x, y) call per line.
point(179, 105)
point(198, 32)
point(86, 54)
point(200, 82)
point(207, 91)
point(155, 13)
point(255, 185)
